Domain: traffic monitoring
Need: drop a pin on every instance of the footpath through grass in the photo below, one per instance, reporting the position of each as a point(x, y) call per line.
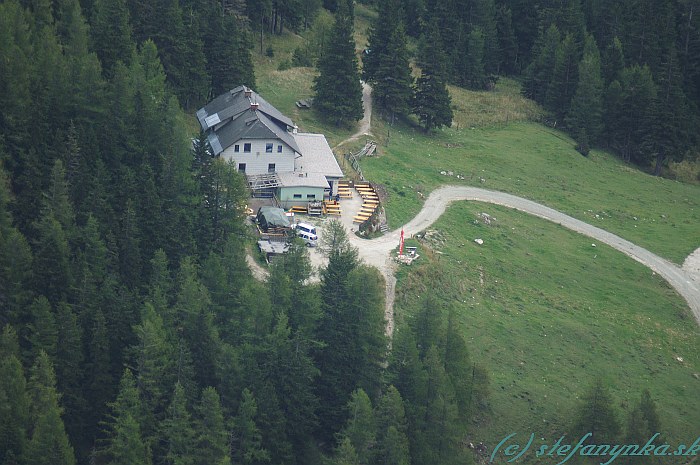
point(546, 312)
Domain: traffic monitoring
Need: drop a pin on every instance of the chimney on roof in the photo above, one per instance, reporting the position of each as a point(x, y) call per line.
point(254, 106)
point(248, 92)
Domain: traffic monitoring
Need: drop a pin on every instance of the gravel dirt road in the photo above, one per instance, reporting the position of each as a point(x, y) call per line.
point(376, 251)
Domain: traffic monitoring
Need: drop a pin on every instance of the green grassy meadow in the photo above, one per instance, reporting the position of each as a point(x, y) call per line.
point(532, 161)
point(546, 313)
point(541, 308)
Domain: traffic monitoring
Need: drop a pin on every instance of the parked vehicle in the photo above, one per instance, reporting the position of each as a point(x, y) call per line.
point(307, 233)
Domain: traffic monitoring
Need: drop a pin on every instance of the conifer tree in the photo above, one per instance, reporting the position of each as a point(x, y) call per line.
point(564, 78)
point(337, 87)
point(596, 415)
point(43, 334)
point(155, 374)
point(437, 434)
point(386, 62)
point(431, 100)
point(585, 115)
point(539, 72)
point(392, 443)
point(291, 371)
point(49, 443)
point(14, 407)
point(111, 34)
point(474, 76)
point(366, 341)
point(124, 444)
point(507, 42)
point(69, 373)
point(272, 423)
point(212, 436)
point(99, 389)
point(360, 427)
point(178, 430)
point(248, 448)
point(345, 453)
point(393, 80)
point(383, 25)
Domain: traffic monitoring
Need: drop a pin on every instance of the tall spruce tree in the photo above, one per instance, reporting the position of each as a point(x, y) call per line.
point(431, 100)
point(111, 34)
point(585, 115)
point(393, 80)
point(337, 86)
point(597, 415)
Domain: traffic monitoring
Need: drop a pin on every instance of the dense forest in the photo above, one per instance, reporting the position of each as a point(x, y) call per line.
point(618, 75)
point(132, 331)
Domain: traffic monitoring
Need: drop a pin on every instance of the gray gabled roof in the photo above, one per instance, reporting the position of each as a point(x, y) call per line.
point(232, 105)
point(249, 124)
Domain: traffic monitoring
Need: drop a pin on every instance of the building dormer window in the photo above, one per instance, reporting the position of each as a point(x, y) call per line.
point(268, 147)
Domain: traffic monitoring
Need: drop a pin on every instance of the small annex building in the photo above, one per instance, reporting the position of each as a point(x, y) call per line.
point(266, 146)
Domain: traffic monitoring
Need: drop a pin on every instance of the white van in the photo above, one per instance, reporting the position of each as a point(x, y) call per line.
point(307, 233)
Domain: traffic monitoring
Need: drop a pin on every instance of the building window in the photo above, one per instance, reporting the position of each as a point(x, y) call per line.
point(311, 196)
point(297, 196)
point(271, 168)
point(268, 147)
point(236, 148)
point(279, 149)
point(246, 147)
point(241, 168)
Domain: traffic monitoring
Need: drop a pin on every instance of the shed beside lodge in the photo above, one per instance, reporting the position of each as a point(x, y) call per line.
point(266, 146)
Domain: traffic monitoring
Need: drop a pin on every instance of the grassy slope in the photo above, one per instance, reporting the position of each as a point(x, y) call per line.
point(539, 163)
point(549, 315)
point(546, 312)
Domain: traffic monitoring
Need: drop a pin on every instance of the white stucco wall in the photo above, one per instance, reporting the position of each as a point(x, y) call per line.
point(257, 160)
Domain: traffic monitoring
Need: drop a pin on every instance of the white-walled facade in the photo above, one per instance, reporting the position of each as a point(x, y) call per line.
point(256, 156)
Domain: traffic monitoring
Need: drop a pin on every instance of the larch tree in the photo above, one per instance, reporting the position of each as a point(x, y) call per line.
point(49, 443)
point(178, 431)
point(248, 449)
point(392, 442)
point(361, 426)
point(212, 435)
point(14, 407)
point(124, 443)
